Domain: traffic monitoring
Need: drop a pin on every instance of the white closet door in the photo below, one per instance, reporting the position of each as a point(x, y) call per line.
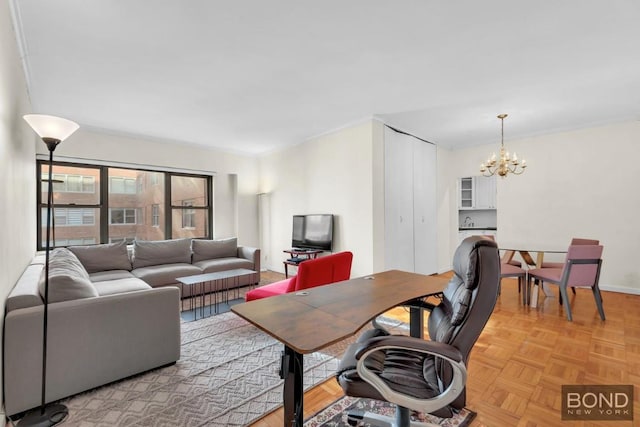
point(398, 193)
point(424, 203)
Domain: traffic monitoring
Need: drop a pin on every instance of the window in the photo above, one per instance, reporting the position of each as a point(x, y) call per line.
point(121, 185)
point(75, 242)
point(66, 183)
point(155, 215)
point(71, 217)
point(122, 216)
point(188, 215)
point(136, 204)
point(189, 206)
point(121, 239)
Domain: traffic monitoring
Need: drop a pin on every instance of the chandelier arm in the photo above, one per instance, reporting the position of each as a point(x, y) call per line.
point(505, 164)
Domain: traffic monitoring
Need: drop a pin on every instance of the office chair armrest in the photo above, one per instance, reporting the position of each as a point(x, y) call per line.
point(444, 352)
point(410, 343)
point(423, 303)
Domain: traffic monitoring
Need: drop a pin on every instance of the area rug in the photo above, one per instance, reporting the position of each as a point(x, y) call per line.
point(336, 414)
point(227, 375)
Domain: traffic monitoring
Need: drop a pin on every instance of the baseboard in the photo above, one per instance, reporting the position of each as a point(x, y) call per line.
point(608, 288)
point(620, 289)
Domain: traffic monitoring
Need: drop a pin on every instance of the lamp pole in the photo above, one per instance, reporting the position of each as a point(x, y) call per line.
point(52, 130)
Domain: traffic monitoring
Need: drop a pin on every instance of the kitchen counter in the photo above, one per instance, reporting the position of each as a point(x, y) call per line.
point(476, 228)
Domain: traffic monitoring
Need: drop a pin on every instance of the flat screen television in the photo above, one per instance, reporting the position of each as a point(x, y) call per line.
point(312, 232)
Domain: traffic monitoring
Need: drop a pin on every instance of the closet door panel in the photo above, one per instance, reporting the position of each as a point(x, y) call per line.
point(425, 212)
point(399, 248)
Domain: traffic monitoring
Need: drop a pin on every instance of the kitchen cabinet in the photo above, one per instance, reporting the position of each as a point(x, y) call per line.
point(485, 192)
point(477, 192)
point(466, 193)
point(410, 203)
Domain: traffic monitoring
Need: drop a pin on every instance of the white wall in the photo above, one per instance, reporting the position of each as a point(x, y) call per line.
point(17, 167)
point(329, 174)
point(235, 184)
point(578, 184)
point(343, 173)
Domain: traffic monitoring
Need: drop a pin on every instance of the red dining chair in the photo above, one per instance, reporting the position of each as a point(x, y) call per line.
point(581, 269)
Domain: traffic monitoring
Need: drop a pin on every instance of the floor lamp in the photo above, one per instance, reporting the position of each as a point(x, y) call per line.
point(52, 130)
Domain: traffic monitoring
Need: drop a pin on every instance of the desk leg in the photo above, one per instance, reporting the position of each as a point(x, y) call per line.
point(416, 322)
point(291, 371)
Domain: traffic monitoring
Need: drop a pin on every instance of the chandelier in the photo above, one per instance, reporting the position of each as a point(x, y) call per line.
point(505, 164)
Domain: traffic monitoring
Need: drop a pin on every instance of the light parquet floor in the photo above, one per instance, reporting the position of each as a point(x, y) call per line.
point(525, 355)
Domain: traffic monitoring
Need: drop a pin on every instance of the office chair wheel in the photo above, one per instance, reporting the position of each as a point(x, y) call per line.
point(354, 418)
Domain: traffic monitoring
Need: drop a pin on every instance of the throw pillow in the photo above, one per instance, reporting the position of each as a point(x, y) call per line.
point(68, 280)
point(212, 249)
point(156, 252)
point(111, 256)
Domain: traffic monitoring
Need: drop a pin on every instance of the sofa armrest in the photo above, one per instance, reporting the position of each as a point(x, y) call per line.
point(253, 255)
point(91, 342)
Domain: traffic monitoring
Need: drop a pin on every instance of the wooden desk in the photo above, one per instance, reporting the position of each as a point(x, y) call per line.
point(306, 254)
point(308, 321)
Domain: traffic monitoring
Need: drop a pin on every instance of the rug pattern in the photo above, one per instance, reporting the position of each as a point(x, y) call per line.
point(336, 414)
point(227, 375)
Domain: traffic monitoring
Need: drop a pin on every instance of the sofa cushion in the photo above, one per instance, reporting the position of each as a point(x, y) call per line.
point(162, 275)
point(221, 264)
point(120, 286)
point(157, 252)
point(110, 256)
point(68, 280)
point(211, 249)
point(103, 276)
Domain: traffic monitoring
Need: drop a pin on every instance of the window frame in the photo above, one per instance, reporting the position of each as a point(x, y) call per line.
point(103, 208)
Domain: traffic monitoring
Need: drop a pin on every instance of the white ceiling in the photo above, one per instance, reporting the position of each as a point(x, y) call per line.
point(252, 76)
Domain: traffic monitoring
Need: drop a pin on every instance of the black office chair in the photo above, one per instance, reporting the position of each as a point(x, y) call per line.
point(420, 375)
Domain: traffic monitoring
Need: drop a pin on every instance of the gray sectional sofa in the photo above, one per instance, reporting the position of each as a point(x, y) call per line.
point(113, 312)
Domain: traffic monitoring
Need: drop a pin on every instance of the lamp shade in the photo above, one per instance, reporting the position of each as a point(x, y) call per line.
point(51, 126)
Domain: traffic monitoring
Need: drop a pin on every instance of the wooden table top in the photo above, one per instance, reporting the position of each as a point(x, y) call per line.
point(318, 317)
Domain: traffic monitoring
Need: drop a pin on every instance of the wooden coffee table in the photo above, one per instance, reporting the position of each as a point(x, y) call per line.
point(215, 283)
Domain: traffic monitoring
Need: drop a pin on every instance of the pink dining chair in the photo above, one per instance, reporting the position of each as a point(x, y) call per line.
point(574, 241)
point(581, 269)
point(511, 268)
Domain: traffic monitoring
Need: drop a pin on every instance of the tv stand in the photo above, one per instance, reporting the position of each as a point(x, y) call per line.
point(297, 256)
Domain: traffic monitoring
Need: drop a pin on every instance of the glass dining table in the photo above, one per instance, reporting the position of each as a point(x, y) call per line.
point(526, 255)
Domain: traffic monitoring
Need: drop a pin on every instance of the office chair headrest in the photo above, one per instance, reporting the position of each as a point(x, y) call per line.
point(465, 259)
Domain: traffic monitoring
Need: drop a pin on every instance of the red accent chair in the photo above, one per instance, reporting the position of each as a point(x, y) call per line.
point(311, 273)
